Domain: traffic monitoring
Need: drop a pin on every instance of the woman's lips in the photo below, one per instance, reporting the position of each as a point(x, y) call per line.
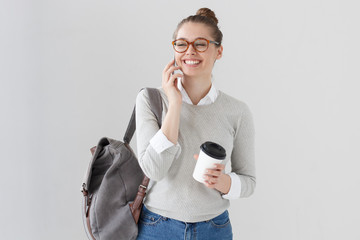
point(191, 62)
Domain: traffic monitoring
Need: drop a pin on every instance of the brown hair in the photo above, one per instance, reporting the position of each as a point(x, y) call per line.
point(207, 17)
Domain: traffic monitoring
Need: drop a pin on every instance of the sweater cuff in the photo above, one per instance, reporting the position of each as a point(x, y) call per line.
point(235, 188)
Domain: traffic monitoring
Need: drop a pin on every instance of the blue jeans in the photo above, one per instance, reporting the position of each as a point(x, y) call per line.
point(156, 227)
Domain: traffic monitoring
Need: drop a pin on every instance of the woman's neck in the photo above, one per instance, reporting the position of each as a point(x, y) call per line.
point(196, 88)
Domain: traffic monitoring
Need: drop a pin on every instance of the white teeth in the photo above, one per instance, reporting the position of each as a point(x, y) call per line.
point(191, 62)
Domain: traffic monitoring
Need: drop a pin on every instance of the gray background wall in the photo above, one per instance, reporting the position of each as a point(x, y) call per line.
point(67, 68)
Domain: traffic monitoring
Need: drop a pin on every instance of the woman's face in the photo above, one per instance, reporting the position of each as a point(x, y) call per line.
point(193, 63)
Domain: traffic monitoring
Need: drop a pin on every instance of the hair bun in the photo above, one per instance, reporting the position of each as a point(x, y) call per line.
point(206, 12)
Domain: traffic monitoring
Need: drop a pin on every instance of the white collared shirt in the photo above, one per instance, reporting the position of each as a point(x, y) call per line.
point(208, 99)
point(160, 142)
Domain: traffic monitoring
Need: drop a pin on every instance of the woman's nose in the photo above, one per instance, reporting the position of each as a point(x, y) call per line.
point(191, 50)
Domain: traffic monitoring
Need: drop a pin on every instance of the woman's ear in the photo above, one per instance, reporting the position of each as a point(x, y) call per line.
point(219, 52)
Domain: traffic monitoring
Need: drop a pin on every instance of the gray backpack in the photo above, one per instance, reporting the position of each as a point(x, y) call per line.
point(114, 184)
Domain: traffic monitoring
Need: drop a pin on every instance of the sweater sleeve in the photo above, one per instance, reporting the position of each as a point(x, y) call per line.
point(154, 165)
point(243, 154)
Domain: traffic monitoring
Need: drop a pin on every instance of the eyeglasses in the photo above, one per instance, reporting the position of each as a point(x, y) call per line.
point(199, 44)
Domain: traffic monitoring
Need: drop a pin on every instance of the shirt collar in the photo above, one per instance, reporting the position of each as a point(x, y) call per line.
point(208, 99)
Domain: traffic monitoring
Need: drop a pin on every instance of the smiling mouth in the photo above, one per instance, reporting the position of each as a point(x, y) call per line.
point(191, 62)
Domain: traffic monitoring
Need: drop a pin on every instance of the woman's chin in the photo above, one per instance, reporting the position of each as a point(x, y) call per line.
point(191, 74)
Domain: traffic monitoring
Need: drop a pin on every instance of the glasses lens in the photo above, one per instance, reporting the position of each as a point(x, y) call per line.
point(180, 45)
point(201, 45)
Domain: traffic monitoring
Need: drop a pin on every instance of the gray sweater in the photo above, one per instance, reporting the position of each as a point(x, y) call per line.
point(173, 192)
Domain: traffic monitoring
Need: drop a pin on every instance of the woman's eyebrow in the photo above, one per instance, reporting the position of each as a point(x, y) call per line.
point(187, 39)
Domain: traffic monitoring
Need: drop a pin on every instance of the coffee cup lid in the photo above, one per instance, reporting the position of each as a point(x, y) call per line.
point(214, 150)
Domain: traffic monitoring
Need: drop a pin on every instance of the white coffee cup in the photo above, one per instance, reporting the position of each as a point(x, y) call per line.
point(210, 153)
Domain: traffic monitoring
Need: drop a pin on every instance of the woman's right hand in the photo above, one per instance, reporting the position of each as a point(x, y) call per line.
point(169, 83)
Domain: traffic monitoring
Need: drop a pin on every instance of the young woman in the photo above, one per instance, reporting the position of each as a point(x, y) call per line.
point(194, 111)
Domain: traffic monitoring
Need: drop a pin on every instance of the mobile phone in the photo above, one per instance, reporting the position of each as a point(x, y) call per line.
point(177, 71)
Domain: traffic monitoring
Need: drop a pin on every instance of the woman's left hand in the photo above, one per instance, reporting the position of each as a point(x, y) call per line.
point(215, 178)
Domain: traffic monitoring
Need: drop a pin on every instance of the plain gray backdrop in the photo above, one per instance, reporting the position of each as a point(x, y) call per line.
point(70, 72)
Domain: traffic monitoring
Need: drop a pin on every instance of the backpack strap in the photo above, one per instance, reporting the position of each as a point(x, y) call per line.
point(156, 108)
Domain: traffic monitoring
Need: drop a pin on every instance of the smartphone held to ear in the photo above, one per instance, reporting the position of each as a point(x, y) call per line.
point(177, 71)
